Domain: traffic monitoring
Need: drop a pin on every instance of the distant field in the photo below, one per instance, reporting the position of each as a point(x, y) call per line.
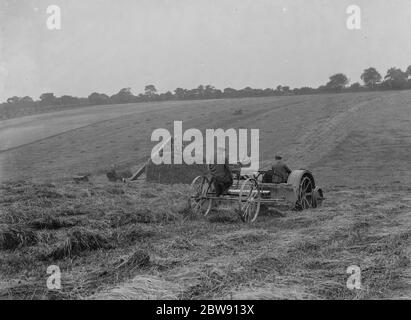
point(307, 130)
point(139, 240)
point(10, 111)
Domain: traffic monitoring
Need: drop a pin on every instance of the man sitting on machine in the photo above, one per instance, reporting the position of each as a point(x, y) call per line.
point(222, 176)
point(279, 172)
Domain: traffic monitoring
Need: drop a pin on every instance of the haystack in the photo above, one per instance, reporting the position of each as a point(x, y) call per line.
point(173, 173)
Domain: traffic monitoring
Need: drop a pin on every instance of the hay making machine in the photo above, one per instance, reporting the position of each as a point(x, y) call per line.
point(250, 193)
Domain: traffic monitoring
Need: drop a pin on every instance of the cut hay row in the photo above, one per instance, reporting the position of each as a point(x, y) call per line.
point(85, 221)
point(13, 237)
point(78, 241)
point(133, 233)
point(51, 223)
point(146, 230)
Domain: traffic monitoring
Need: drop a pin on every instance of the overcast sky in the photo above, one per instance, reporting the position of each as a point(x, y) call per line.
point(106, 45)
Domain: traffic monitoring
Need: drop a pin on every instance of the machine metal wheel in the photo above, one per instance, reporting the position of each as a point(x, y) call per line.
point(306, 194)
point(201, 190)
point(250, 200)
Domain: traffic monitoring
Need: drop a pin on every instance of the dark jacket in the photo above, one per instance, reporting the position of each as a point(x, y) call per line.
point(280, 172)
point(221, 172)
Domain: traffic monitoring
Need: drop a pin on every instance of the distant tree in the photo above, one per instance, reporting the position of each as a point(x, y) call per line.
point(268, 92)
point(322, 88)
point(371, 77)
point(286, 89)
point(98, 98)
point(26, 100)
point(337, 82)
point(48, 99)
point(409, 76)
point(356, 86)
point(247, 92)
point(395, 79)
point(230, 92)
point(123, 96)
point(199, 92)
point(180, 93)
point(210, 92)
point(217, 93)
point(141, 97)
point(13, 100)
point(150, 91)
point(69, 100)
point(303, 90)
point(168, 95)
point(279, 89)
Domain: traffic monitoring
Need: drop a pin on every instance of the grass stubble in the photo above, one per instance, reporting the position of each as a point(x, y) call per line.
point(140, 241)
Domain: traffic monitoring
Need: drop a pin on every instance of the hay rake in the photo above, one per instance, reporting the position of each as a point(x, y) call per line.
point(250, 193)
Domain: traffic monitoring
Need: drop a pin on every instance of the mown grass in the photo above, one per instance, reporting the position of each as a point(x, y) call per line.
point(59, 223)
point(16, 236)
point(307, 255)
point(101, 235)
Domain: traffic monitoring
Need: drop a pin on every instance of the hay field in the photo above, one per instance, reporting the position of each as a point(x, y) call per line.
point(140, 241)
point(303, 128)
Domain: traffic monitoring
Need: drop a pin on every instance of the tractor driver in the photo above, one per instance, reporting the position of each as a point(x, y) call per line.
point(221, 176)
point(280, 171)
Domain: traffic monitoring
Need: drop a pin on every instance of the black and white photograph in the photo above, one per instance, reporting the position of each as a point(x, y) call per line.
point(227, 151)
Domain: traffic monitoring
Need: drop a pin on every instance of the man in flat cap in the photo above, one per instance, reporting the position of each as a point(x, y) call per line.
point(280, 170)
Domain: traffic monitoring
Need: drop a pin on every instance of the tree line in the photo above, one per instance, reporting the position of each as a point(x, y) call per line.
point(395, 79)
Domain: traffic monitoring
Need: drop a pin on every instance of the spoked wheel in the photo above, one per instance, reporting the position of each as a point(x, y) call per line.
point(200, 203)
point(306, 194)
point(250, 200)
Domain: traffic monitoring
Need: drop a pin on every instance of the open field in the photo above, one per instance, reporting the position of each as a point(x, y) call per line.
point(305, 129)
point(139, 240)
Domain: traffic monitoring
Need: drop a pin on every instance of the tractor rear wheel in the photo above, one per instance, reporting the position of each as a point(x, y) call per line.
point(306, 194)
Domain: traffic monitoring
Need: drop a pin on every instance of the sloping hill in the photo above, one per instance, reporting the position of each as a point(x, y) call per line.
point(139, 240)
point(302, 128)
